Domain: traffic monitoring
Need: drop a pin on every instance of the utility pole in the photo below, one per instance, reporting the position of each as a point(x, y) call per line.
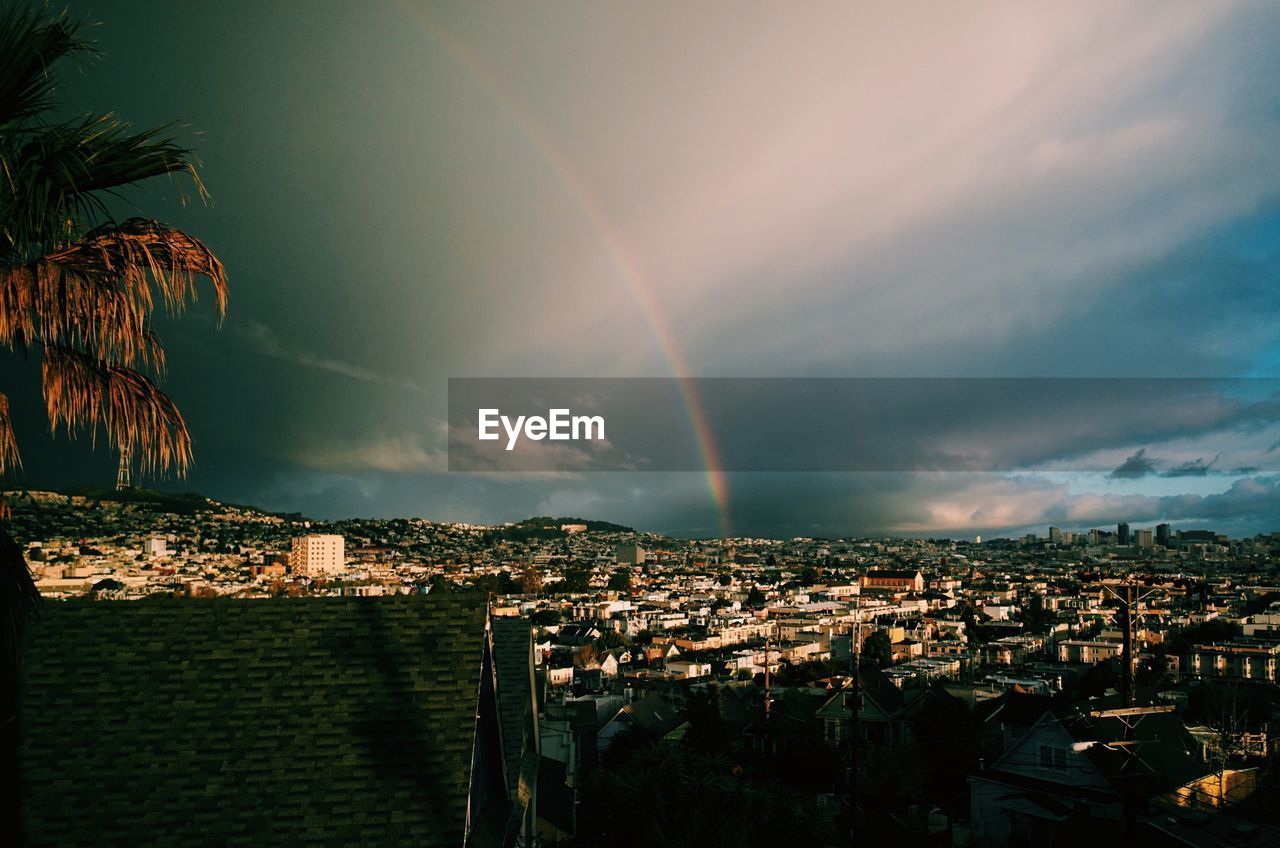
point(1127, 676)
point(1128, 603)
point(768, 639)
point(855, 706)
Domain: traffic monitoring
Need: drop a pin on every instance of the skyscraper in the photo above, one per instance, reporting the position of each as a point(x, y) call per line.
point(1122, 534)
point(1162, 535)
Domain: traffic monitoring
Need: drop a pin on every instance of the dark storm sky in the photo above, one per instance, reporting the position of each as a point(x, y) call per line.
point(405, 192)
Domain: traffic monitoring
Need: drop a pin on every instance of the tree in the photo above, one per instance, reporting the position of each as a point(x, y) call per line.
point(546, 617)
point(620, 580)
point(577, 578)
point(530, 580)
point(611, 639)
point(878, 648)
point(77, 287)
point(708, 728)
point(755, 598)
point(687, 796)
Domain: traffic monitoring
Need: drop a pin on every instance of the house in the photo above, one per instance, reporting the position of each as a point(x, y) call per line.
point(652, 716)
point(896, 580)
point(577, 634)
point(613, 661)
point(404, 720)
point(689, 668)
point(887, 713)
point(1081, 777)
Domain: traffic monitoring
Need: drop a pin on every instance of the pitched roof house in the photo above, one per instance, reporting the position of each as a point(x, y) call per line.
point(308, 721)
point(1077, 777)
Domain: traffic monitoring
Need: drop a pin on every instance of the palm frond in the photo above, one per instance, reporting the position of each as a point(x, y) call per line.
point(81, 291)
point(139, 252)
point(56, 179)
point(31, 43)
point(81, 392)
point(9, 456)
point(98, 294)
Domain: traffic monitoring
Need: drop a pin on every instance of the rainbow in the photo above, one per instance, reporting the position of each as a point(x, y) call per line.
point(641, 287)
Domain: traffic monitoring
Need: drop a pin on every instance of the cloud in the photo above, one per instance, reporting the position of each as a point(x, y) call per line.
point(1137, 465)
point(994, 189)
point(885, 180)
point(1191, 468)
point(265, 341)
point(399, 454)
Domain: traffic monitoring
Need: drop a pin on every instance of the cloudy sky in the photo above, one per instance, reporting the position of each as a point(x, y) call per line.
point(405, 192)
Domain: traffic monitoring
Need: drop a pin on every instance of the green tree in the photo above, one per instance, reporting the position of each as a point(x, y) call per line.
point(546, 617)
point(611, 639)
point(755, 598)
point(878, 649)
point(620, 580)
point(807, 576)
point(577, 578)
point(708, 728)
point(690, 797)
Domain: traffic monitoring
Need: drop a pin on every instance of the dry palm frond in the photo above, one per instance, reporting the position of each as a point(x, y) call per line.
point(140, 249)
point(80, 392)
point(98, 294)
point(9, 457)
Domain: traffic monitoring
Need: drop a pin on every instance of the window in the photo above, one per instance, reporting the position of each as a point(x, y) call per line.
point(1053, 758)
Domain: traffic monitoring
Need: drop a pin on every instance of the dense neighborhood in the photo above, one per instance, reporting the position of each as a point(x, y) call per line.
point(936, 692)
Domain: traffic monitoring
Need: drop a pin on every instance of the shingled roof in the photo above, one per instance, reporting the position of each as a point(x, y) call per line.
point(302, 721)
point(512, 655)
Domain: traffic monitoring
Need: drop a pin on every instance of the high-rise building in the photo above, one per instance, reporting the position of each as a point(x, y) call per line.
point(1162, 535)
point(317, 554)
point(629, 553)
point(1055, 535)
point(1122, 534)
point(1144, 539)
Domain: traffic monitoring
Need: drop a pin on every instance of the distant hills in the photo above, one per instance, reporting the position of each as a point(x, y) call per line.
point(193, 503)
point(543, 521)
point(177, 503)
point(546, 527)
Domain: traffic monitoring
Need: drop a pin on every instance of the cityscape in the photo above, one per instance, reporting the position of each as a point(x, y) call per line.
point(1122, 679)
point(664, 425)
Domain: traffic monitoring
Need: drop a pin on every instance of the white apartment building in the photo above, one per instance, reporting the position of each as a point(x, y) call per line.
point(318, 554)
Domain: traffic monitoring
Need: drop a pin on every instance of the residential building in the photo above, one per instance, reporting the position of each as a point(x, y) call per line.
point(317, 555)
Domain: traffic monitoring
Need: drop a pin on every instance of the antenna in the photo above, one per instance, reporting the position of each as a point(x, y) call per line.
point(124, 475)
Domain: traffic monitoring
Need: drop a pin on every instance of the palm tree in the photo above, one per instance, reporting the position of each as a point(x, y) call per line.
point(77, 287)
